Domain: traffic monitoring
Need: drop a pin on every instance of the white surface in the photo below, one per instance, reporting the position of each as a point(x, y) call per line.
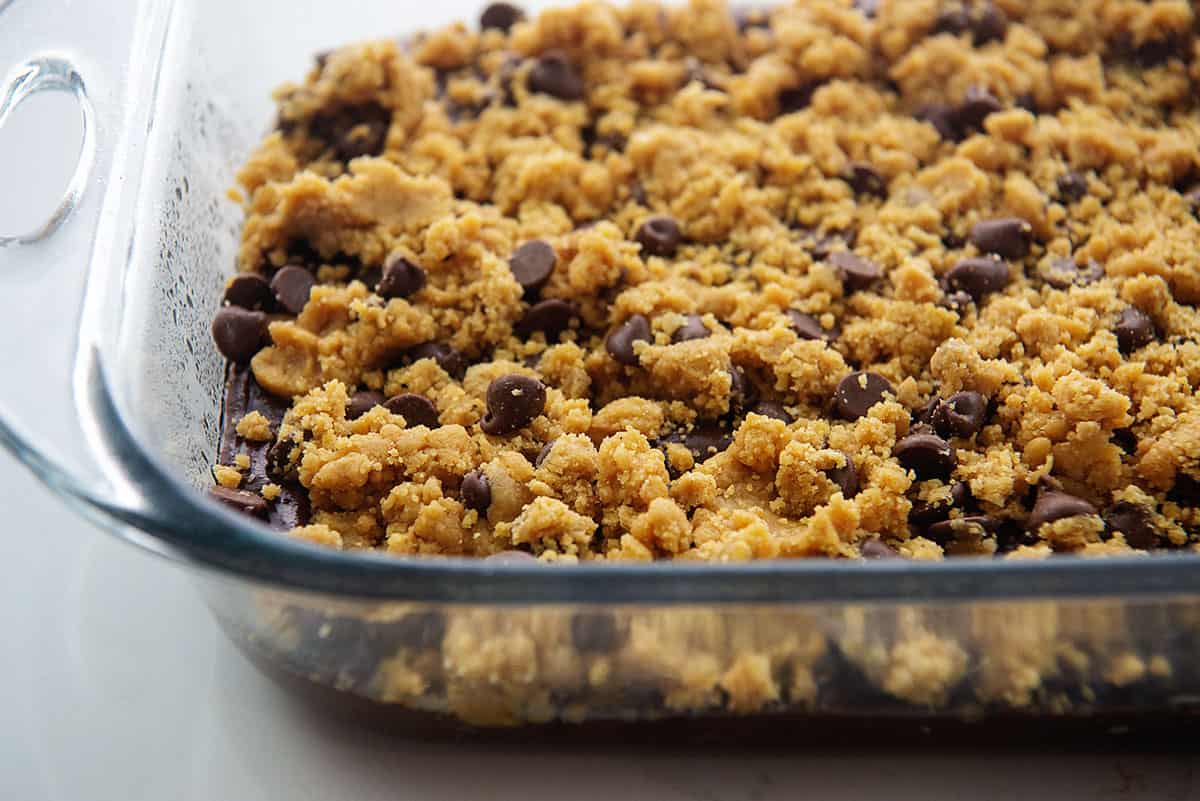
point(115, 685)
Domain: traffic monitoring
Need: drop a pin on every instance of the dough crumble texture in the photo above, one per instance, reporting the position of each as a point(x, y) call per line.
point(899, 279)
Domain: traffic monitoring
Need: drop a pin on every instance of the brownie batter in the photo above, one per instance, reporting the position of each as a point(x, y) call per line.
point(834, 279)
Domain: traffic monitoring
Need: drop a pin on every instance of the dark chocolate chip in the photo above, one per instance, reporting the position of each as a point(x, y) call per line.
point(977, 104)
point(708, 437)
point(1007, 237)
point(249, 291)
point(476, 491)
point(742, 394)
point(1125, 439)
point(279, 458)
point(954, 20)
point(1072, 186)
point(855, 272)
point(1027, 101)
point(291, 287)
point(961, 415)
point(531, 264)
point(773, 410)
point(419, 630)
point(620, 342)
point(979, 276)
point(795, 99)
point(365, 138)
point(927, 455)
point(544, 452)
point(248, 503)
point(447, 357)
point(551, 317)
point(877, 549)
point(1053, 505)
point(370, 276)
point(808, 327)
point(946, 531)
point(1134, 330)
point(693, 328)
point(239, 333)
point(554, 75)
point(511, 558)
point(845, 477)
point(858, 392)
point(500, 17)
point(362, 402)
point(401, 278)
point(1061, 273)
point(1186, 491)
point(944, 120)
point(990, 24)
point(866, 180)
point(1135, 522)
point(595, 633)
point(417, 410)
point(659, 236)
point(513, 402)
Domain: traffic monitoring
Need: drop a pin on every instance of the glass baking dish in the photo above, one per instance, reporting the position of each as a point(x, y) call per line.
point(112, 396)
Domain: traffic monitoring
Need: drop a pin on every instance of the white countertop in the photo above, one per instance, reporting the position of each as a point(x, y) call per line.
point(115, 684)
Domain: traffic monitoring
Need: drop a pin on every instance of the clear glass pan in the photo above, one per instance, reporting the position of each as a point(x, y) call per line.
point(115, 403)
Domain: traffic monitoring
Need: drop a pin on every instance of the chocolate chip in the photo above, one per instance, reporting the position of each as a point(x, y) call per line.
point(248, 503)
point(291, 287)
point(742, 394)
point(1134, 330)
point(944, 120)
point(947, 531)
point(693, 328)
point(773, 410)
point(659, 236)
point(979, 276)
point(370, 276)
point(1135, 522)
point(795, 99)
point(858, 392)
point(619, 343)
point(866, 180)
point(362, 402)
point(707, 437)
point(1072, 186)
point(1062, 273)
point(877, 549)
point(1185, 491)
point(990, 24)
point(595, 633)
point(977, 104)
point(239, 333)
point(854, 271)
point(845, 477)
point(808, 327)
point(417, 410)
point(551, 317)
point(1007, 237)
point(554, 75)
point(1053, 505)
point(447, 357)
point(531, 264)
point(513, 402)
point(953, 20)
point(927, 455)
point(279, 458)
point(401, 278)
point(366, 138)
point(961, 415)
point(511, 558)
point(248, 291)
point(476, 491)
point(500, 17)
point(1125, 439)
